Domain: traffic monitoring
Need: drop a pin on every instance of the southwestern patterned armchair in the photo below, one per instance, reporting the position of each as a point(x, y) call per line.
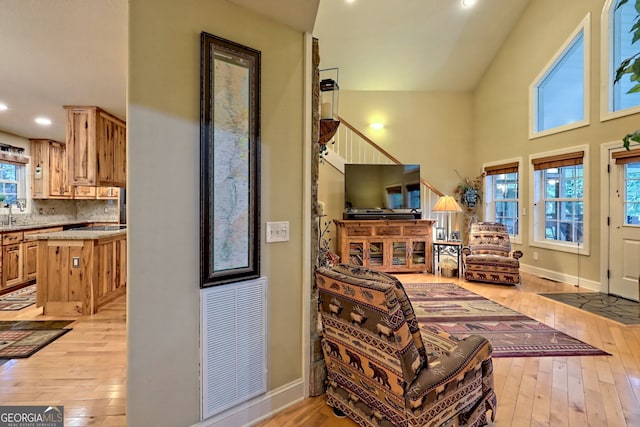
point(488, 258)
point(380, 370)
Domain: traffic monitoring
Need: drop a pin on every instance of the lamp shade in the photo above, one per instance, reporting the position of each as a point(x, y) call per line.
point(447, 204)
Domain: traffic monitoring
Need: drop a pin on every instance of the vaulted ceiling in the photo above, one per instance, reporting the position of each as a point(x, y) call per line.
point(73, 52)
point(412, 45)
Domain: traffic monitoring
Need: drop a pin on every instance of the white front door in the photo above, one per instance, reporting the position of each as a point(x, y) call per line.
point(624, 230)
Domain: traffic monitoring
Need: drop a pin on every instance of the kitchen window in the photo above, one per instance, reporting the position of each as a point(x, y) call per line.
point(12, 182)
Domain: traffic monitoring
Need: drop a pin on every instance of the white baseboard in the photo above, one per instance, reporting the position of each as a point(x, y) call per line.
point(562, 277)
point(259, 408)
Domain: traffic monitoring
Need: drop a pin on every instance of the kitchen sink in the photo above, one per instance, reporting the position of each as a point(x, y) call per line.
point(101, 228)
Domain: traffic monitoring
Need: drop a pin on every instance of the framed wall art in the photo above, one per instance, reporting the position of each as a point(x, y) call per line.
point(229, 162)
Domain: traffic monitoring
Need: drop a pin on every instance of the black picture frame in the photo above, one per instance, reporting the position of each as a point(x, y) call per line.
point(229, 161)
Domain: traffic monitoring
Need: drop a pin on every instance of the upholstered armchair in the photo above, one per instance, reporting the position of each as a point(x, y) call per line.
point(380, 371)
point(488, 257)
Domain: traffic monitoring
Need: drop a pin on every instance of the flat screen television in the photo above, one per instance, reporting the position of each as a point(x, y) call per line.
point(382, 191)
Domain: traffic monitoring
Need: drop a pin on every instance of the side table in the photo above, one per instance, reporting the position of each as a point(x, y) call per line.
point(454, 249)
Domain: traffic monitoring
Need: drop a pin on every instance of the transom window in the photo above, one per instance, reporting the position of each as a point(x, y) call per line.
point(559, 95)
point(561, 92)
point(620, 46)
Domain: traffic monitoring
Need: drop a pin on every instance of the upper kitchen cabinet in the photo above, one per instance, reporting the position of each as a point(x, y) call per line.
point(49, 170)
point(96, 147)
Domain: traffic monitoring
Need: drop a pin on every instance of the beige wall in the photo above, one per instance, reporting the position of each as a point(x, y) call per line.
point(432, 129)
point(447, 131)
point(331, 192)
point(501, 115)
point(163, 126)
point(429, 128)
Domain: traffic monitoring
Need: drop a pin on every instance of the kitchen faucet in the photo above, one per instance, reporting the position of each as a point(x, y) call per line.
point(10, 219)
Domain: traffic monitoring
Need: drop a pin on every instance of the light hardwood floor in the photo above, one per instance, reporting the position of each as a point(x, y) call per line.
point(539, 391)
point(85, 370)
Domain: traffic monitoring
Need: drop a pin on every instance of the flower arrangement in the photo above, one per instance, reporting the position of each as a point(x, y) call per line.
point(469, 193)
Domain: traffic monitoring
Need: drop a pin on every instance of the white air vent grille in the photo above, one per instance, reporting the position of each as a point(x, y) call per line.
point(234, 344)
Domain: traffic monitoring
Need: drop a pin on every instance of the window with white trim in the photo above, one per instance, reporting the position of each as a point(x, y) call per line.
point(13, 182)
point(618, 42)
point(559, 94)
point(631, 187)
point(502, 195)
point(559, 207)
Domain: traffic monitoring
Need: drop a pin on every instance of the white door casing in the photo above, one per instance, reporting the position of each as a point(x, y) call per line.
point(624, 238)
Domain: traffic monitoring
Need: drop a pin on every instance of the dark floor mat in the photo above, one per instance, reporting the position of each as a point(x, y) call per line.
point(609, 306)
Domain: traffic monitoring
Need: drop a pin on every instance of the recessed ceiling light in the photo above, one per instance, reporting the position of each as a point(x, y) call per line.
point(377, 125)
point(468, 3)
point(43, 121)
point(3, 107)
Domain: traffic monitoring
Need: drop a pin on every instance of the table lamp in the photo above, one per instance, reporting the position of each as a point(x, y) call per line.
point(448, 205)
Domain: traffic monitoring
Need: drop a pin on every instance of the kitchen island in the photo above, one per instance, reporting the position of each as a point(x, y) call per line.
point(80, 270)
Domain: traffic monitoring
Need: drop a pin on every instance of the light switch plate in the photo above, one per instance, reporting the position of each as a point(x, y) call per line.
point(75, 262)
point(277, 231)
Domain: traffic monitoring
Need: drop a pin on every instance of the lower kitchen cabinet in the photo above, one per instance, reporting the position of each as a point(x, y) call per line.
point(12, 265)
point(20, 256)
point(78, 276)
point(30, 259)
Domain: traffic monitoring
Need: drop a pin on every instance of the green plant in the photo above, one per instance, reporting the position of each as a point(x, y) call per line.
point(631, 66)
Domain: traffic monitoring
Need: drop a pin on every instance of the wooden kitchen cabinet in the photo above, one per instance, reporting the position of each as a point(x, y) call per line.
point(96, 147)
point(30, 253)
point(49, 171)
point(12, 259)
point(386, 245)
point(84, 192)
point(92, 193)
point(20, 256)
point(12, 265)
point(108, 193)
point(30, 250)
point(79, 275)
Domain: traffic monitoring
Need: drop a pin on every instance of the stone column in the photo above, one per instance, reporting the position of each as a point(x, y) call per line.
point(318, 372)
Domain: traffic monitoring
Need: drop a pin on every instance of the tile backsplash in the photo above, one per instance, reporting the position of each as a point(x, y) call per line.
point(48, 211)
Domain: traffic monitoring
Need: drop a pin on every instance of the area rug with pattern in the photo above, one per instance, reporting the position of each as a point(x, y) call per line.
point(446, 307)
point(19, 299)
point(608, 306)
point(20, 339)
